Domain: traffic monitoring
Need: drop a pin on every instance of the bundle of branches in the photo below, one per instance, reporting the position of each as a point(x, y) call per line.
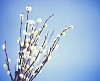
point(32, 58)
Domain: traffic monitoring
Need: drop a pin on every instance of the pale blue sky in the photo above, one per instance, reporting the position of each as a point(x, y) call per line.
point(78, 57)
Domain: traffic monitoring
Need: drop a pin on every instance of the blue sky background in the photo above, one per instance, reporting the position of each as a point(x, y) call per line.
point(78, 58)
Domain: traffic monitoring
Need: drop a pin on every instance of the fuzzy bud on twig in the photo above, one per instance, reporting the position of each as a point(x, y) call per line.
point(56, 47)
point(24, 32)
point(49, 58)
point(71, 26)
point(9, 60)
point(5, 66)
point(39, 20)
point(8, 72)
point(31, 22)
point(27, 79)
point(21, 76)
point(21, 17)
point(3, 46)
point(32, 57)
point(45, 25)
point(28, 8)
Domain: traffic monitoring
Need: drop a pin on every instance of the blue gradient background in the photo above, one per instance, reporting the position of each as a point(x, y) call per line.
point(78, 58)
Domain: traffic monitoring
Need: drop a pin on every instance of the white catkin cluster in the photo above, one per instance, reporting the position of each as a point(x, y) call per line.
point(6, 66)
point(3, 47)
point(31, 57)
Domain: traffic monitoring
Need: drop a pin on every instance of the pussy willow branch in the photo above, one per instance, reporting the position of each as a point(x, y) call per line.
point(37, 71)
point(37, 55)
point(39, 33)
point(20, 55)
point(35, 38)
point(51, 50)
point(45, 23)
point(25, 35)
point(29, 54)
point(36, 41)
point(43, 28)
point(8, 63)
point(43, 47)
point(27, 22)
point(43, 62)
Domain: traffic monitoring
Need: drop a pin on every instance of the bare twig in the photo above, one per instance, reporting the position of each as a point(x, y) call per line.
point(8, 63)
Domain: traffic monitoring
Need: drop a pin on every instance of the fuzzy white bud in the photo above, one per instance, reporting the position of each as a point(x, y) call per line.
point(39, 29)
point(31, 68)
point(19, 40)
point(36, 68)
point(22, 44)
point(63, 33)
point(21, 76)
point(54, 40)
point(31, 22)
point(33, 59)
point(9, 60)
point(32, 32)
point(3, 46)
point(19, 66)
point(25, 50)
point(35, 33)
point(27, 44)
point(27, 53)
point(40, 65)
point(35, 53)
point(33, 48)
point(27, 79)
point(8, 72)
point(23, 68)
point(24, 32)
point(38, 37)
point(25, 26)
point(46, 42)
point(33, 73)
point(28, 25)
point(28, 8)
point(49, 58)
point(27, 66)
point(58, 35)
point(5, 66)
point(39, 20)
point(18, 60)
point(48, 51)
point(56, 47)
point(29, 34)
point(45, 25)
point(24, 56)
point(44, 51)
point(21, 17)
point(40, 71)
point(29, 57)
point(71, 26)
point(27, 40)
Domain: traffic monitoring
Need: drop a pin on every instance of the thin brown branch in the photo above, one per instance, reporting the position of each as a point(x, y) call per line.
point(51, 50)
point(8, 63)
